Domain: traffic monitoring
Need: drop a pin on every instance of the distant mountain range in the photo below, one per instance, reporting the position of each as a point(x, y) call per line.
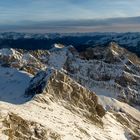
point(80, 41)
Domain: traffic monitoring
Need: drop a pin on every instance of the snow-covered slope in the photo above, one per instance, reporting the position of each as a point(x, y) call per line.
point(13, 84)
point(111, 71)
point(65, 110)
point(57, 123)
point(20, 59)
point(112, 68)
point(6, 52)
point(91, 95)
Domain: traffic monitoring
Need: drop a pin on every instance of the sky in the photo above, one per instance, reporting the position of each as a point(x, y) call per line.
point(18, 12)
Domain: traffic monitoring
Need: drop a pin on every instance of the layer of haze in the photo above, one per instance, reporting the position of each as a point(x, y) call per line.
point(70, 15)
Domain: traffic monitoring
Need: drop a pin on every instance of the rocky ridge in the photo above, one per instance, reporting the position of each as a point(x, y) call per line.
point(78, 96)
point(20, 60)
point(58, 86)
point(111, 68)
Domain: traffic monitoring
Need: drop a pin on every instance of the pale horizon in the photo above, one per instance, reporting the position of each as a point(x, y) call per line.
point(70, 16)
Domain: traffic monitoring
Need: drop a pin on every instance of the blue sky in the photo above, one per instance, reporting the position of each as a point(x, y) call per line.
point(70, 15)
point(12, 11)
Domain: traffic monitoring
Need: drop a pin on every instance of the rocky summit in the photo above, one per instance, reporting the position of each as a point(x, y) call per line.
point(65, 94)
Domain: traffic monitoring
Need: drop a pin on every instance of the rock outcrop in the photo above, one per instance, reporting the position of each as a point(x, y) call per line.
point(15, 127)
point(60, 87)
point(20, 59)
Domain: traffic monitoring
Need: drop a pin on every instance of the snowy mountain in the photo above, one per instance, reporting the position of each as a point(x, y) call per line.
point(64, 94)
point(20, 59)
point(113, 68)
point(80, 41)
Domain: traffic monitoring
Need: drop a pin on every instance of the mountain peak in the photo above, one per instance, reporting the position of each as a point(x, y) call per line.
point(10, 52)
point(116, 49)
point(59, 46)
point(60, 87)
